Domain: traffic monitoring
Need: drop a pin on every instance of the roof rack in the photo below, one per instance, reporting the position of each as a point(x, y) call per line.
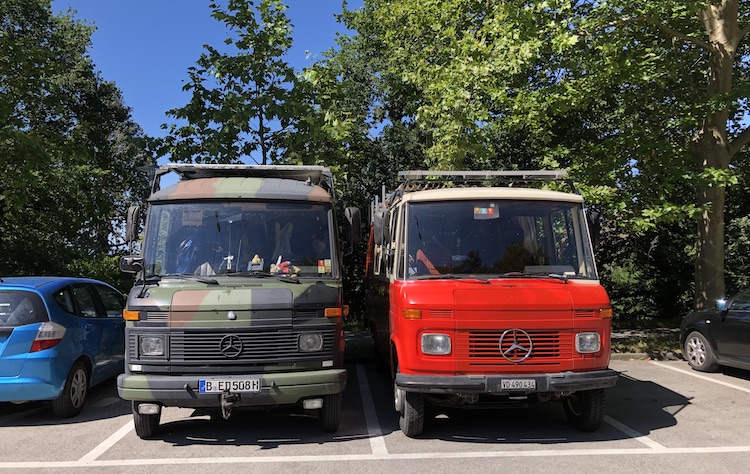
point(319, 175)
point(419, 180)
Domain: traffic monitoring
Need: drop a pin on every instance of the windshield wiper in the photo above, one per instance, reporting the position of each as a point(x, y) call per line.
point(155, 279)
point(450, 276)
point(178, 276)
point(563, 277)
point(260, 274)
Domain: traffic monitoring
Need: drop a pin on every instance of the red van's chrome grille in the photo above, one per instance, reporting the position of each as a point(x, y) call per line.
point(483, 347)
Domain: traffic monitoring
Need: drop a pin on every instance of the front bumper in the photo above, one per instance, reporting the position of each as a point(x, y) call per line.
point(276, 389)
point(563, 382)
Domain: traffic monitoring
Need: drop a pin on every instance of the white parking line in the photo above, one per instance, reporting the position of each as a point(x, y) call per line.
point(379, 449)
point(634, 434)
point(377, 443)
point(372, 457)
point(692, 373)
point(108, 443)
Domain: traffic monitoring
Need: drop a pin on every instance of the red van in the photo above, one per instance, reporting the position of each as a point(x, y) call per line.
point(483, 292)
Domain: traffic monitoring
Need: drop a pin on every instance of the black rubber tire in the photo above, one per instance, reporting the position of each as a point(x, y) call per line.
point(699, 353)
point(146, 426)
point(330, 414)
point(411, 419)
point(74, 392)
point(585, 410)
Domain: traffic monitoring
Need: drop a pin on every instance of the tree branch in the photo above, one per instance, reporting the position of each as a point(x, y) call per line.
point(678, 34)
point(739, 141)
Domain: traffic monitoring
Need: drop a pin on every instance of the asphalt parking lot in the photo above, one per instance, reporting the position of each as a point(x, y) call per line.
point(661, 417)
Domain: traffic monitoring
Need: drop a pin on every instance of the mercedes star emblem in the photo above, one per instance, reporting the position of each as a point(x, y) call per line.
point(230, 346)
point(520, 345)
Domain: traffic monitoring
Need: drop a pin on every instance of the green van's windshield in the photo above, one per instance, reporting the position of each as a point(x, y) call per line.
point(214, 238)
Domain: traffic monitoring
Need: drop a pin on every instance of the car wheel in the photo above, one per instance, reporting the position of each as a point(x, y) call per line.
point(411, 409)
point(585, 410)
point(411, 420)
point(70, 402)
point(146, 426)
point(699, 354)
point(330, 414)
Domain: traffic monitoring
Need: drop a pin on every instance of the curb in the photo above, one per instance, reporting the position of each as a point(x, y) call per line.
point(646, 356)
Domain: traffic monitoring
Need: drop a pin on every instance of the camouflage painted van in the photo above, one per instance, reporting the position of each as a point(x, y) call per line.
point(238, 298)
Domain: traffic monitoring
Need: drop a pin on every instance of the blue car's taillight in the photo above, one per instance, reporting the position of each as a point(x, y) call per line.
point(48, 335)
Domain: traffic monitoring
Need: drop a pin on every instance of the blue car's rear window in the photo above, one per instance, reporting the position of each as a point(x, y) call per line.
point(18, 308)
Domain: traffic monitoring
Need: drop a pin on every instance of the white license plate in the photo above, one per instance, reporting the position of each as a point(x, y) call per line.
point(238, 385)
point(518, 384)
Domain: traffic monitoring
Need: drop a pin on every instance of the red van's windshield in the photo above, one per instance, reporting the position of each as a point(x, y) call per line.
point(497, 237)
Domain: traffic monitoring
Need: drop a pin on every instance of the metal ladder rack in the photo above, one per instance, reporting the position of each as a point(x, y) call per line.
point(318, 175)
point(420, 180)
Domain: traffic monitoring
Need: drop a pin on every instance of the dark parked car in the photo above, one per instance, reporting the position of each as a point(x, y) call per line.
point(58, 337)
point(718, 336)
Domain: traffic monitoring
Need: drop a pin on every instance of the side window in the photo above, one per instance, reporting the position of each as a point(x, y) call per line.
point(112, 301)
point(86, 304)
point(397, 242)
point(64, 298)
point(741, 302)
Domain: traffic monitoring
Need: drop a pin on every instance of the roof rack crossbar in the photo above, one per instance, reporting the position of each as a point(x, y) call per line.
point(319, 175)
point(414, 180)
point(532, 175)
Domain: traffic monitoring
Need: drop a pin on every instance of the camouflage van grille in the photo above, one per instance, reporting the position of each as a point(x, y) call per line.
point(483, 347)
point(257, 347)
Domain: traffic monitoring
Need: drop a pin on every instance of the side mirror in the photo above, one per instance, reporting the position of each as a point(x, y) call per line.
point(133, 220)
point(131, 263)
point(380, 226)
point(354, 220)
point(721, 305)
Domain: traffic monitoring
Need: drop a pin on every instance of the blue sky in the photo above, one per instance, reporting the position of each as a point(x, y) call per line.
point(146, 46)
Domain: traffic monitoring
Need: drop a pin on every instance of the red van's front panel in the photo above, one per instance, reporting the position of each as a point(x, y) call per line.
point(476, 313)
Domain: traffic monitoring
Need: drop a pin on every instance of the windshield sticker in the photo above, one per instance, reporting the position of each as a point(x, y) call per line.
point(484, 211)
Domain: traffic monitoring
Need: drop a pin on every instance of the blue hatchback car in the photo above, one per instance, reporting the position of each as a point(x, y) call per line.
point(58, 337)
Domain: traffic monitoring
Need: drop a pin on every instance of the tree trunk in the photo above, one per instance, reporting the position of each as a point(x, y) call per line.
point(711, 148)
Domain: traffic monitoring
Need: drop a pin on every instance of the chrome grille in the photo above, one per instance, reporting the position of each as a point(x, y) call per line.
point(483, 347)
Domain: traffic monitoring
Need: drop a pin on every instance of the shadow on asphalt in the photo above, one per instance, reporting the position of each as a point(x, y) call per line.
point(102, 402)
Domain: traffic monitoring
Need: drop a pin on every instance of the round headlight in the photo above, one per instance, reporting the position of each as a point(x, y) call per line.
point(310, 342)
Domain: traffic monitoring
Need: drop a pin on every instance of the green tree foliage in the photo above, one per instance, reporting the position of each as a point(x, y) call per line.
point(69, 149)
point(643, 101)
point(243, 100)
point(673, 76)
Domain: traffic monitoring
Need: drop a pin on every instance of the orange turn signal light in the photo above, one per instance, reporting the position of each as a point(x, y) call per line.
point(605, 313)
point(334, 312)
point(129, 315)
point(411, 313)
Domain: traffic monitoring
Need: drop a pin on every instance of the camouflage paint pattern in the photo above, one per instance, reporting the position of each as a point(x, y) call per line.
point(268, 314)
point(243, 188)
